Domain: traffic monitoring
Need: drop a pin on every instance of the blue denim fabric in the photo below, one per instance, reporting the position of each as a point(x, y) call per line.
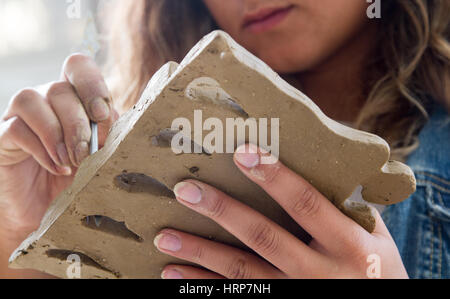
point(420, 225)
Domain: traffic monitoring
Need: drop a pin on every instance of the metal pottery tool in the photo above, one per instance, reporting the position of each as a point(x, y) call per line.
point(91, 46)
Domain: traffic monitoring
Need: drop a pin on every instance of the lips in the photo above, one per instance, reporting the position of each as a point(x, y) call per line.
point(266, 18)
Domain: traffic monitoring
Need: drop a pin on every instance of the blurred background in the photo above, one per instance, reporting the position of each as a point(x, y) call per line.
point(35, 38)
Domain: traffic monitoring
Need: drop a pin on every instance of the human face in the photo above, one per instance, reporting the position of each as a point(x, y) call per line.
point(292, 35)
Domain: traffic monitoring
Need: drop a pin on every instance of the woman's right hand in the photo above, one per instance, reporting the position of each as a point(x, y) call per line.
point(44, 137)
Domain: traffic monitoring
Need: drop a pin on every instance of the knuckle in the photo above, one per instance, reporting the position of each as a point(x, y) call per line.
point(198, 254)
point(50, 134)
point(271, 172)
point(58, 88)
point(262, 238)
point(306, 203)
point(79, 129)
point(16, 127)
point(354, 243)
point(217, 207)
point(75, 60)
point(23, 97)
point(89, 86)
point(238, 269)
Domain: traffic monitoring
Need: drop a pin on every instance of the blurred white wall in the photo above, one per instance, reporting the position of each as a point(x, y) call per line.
point(35, 38)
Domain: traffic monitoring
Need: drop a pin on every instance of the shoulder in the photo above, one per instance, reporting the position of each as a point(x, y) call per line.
point(433, 154)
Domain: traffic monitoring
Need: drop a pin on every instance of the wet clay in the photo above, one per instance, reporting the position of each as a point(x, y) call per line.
point(130, 180)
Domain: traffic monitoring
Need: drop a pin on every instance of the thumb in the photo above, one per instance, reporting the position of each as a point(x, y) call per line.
point(105, 126)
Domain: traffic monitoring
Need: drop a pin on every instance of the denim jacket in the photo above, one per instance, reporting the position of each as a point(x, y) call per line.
point(420, 225)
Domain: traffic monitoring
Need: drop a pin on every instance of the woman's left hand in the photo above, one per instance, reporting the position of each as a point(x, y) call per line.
point(340, 248)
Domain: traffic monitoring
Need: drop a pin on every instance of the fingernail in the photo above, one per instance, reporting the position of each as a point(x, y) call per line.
point(99, 109)
point(63, 155)
point(81, 151)
point(66, 171)
point(188, 192)
point(167, 242)
point(171, 274)
point(247, 156)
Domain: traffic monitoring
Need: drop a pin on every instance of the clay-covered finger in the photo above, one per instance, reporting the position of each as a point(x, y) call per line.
point(188, 272)
point(73, 118)
point(259, 233)
point(233, 263)
point(307, 206)
point(84, 75)
point(32, 108)
point(18, 142)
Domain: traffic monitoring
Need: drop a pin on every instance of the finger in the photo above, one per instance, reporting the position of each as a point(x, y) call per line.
point(105, 126)
point(265, 237)
point(188, 272)
point(84, 75)
point(18, 142)
point(31, 107)
point(233, 263)
point(73, 118)
point(380, 227)
point(307, 206)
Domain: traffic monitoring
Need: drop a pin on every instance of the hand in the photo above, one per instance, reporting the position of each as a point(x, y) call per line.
point(44, 137)
point(340, 247)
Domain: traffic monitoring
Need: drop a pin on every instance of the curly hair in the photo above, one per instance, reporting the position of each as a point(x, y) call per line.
point(410, 73)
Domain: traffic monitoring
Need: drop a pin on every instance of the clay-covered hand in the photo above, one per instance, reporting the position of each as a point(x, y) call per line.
point(44, 136)
point(340, 248)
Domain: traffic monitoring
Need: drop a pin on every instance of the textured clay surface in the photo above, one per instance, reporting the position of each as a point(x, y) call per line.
point(129, 181)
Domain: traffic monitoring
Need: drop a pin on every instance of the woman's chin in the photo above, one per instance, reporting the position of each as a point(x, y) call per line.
point(284, 66)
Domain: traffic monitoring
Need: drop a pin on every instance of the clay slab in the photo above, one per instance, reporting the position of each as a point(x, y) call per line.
point(129, 181)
